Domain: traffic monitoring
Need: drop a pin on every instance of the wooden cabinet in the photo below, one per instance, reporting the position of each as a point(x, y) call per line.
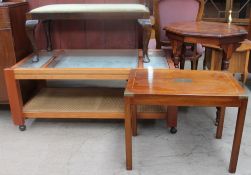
point(14, 44)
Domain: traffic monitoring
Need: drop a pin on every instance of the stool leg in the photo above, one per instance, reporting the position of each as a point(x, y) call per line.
point(147, 29)
point(221, 123)
point(30, 26)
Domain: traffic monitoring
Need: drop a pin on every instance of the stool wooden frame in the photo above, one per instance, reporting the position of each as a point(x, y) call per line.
point(34, 18)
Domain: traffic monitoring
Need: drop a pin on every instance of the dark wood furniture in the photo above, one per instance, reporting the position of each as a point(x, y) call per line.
point(124, 12)
point(203, 88)
point(169, 11)
point(223, 35)
point(14, 44)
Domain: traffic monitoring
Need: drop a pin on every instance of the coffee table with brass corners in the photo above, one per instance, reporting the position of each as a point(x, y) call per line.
point(202, 88)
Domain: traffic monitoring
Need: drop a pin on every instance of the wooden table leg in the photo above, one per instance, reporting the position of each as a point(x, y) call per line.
point(217, 120)
point(238, 135)
point(228, 51)
point(221, 118)
point(177, 51)
point(15, 99)
point(134, 120)
point(182, 57)
point(128, 133)
point(172, 112)
point(30, 26)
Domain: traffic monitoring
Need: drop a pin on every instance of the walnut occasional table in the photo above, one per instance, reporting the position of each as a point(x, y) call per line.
point(203, 88)
point(226, 36)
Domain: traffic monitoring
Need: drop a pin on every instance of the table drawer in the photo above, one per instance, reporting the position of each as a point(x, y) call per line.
point(4, 18)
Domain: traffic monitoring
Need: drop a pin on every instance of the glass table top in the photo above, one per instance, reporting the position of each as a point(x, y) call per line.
point(94, 58)
point(85, 59)
point(97, 59)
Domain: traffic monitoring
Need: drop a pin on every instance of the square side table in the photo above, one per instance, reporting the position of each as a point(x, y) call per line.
point(185, 88)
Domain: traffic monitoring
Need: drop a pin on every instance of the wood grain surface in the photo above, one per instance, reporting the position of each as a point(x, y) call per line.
point(206, 29)
point(172, 82)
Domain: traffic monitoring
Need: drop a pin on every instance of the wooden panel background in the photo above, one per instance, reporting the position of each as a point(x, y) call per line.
point(89, 34)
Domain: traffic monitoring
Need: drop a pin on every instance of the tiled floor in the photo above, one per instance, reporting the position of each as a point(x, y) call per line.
point(85, 147)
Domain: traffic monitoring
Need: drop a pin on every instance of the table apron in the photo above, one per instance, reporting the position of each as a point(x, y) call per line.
point(193, 39)
point(76, 74)
point(188, 101)
point(202, 40)
point(206, 39)
point(72, 77)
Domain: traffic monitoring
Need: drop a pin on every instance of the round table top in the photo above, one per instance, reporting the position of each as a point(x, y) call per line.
point(206, 29)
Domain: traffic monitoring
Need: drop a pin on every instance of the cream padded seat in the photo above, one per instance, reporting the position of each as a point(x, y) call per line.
point(88, 8)
point(89, 11)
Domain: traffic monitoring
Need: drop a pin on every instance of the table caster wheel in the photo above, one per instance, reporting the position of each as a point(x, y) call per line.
point(173, 130)
point(216, 123)
point(22, 127)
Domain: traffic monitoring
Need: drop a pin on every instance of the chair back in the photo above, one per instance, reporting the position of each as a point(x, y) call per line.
point(171, 11)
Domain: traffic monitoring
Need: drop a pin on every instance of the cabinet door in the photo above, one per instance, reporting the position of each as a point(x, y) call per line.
point(215, 9)
point(4, 18)
point(241, 9)
point(7, 59)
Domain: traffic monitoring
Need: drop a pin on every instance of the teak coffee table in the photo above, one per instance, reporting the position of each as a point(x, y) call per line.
point(185, 88)
point(70, 102)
